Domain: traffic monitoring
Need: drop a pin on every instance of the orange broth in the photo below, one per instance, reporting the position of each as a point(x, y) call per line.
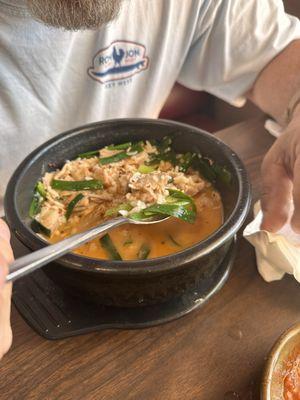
point(164, 238)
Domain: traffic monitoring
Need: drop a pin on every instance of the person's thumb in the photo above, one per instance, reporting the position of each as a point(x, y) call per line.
point(6, 254)
point(276, 193)
point(4, 230)
point(296, 196)
point(3, 271)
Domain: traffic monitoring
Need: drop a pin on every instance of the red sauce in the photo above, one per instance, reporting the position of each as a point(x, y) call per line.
point(292, 377)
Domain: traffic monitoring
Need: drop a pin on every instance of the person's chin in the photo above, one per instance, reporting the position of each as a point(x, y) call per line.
point(70, 15)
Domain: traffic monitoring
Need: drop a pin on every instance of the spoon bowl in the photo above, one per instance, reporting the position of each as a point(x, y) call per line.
point(148, 221)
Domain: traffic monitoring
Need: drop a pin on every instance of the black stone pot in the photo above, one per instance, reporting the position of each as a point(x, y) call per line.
point(130, 283)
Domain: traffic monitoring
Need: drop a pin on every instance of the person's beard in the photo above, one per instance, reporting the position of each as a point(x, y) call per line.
point(74, 14)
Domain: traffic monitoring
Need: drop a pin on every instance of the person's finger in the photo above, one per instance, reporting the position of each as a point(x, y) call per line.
point(5, 331)
point(4, 230)
point(296, 197)
point(6, 253)
point(6, 250)
point(3, 271)
point(276, 194)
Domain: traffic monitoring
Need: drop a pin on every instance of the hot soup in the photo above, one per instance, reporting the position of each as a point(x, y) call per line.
point(140, 180)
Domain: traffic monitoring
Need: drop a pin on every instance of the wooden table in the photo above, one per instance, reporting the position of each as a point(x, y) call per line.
point(215, 353)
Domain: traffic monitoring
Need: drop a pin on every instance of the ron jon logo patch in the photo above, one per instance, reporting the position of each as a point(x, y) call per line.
point(120, 60)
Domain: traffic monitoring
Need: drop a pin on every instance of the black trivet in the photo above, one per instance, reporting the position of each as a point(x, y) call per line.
point(55, 314)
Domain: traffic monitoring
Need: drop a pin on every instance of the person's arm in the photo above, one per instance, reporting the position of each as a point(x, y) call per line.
point(6, 255)
point(272, 92)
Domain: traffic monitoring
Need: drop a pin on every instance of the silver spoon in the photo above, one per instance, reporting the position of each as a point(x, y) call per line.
point(29, 263)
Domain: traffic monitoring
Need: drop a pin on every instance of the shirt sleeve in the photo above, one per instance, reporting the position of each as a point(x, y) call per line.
point(234, 41)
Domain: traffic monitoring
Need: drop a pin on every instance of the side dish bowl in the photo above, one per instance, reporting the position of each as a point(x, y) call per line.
point(138, 282)
point(273, 377)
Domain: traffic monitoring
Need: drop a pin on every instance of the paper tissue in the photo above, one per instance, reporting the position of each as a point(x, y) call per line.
point(276, 253)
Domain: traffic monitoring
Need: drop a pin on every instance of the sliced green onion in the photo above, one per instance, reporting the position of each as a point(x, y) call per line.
point(180, 198)
point(141, 215)
point(122, 146)
point(37, 227)
point(165, 152)
point(222, 174)
point(92, 184)
point(40, 188)
point(128, 242)
point(203, 165)
point(211, 171)
point(89, 154)
point(135, 148)
point(39, 196)
point(177, 202)
point(146, 169)
point(173, 210)
point(109, 247)
point(179, 205)
point(72, 205)
point(115, 158)
point(130, 151)
point(35, 205)
point(164, 210)
point(185, 161)
point(165, 144)
point(115, 210)
point(144, 252)
point(170, 156)
point(179, 195)
point(173, 240)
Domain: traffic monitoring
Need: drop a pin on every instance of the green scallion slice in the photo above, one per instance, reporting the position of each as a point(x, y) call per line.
point(109, 247)
point(89, 154)
point(211, 171)
point(173, 240)
point(38, 198)
point(178, 205)
point(115, 158)
point(72, 205)
point(92, 184)
point(144, 252)
point(35, 206)
point(173, 210)
point(115, 210)
point(165, 144)
point(40, 188)
point(185, 161)
point(128, 242)
point(122, 146)
point(180, 198)
point(203, 165)
point(130, 151)
point(222, 174)
point(37, 227)
point(146, 169)
point(135, 148)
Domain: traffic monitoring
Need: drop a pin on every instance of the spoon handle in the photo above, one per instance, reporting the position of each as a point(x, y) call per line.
point(29, 263)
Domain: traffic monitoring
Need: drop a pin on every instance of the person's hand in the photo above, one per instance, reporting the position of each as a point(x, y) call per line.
point(281, 179)
point(6, 255)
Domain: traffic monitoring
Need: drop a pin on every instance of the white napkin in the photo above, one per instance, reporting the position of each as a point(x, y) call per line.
point(276, 253)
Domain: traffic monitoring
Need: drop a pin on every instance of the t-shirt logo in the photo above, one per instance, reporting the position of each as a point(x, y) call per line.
point(120, 60)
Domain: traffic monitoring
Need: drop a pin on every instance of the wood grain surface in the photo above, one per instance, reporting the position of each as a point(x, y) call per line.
point(215, 353)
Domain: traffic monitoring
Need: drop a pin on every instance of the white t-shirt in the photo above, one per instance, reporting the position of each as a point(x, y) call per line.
point(52, 80)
